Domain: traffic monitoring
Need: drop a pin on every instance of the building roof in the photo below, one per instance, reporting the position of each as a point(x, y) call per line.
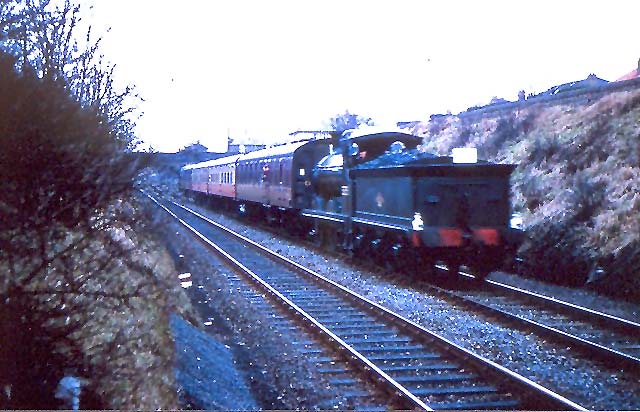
point(591, 81)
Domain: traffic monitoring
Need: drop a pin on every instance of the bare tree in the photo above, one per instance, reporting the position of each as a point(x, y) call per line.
point(346, 120)
point(45, 36)
point(66, 262)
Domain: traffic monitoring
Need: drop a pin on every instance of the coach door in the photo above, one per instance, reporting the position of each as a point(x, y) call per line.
point(265, 182)
point(278, 188)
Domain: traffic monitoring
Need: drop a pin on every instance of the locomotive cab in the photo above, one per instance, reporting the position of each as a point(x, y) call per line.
point(356, 147)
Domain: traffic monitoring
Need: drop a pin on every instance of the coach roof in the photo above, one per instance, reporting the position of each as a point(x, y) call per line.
point(274, 151)
point(215, 162)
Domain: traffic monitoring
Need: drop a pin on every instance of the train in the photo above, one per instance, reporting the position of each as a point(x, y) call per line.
point(374, 194)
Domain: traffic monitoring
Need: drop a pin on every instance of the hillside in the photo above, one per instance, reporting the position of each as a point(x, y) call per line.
point(576, 183)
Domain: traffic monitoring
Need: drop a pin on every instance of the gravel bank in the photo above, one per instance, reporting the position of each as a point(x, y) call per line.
point(206, 371)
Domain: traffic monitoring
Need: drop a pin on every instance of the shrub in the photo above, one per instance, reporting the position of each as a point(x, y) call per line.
point(553, 253)
point(64, 236)
point(587, 196)
point(542, 148)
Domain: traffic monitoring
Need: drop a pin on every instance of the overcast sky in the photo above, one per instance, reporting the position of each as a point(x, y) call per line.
point(262, 69)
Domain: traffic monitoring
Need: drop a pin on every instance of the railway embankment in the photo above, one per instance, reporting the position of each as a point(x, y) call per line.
point(126, 332)
point(95, 314)
point(84, 289)
point(206, 372)
point(575, 185)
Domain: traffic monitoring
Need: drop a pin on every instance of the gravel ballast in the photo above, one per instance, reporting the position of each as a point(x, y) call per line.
point(256, 353)
point(592, 384)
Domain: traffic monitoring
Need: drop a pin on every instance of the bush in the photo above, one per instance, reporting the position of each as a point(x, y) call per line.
point(553, 253)
point(71, 267)
point(59, 162)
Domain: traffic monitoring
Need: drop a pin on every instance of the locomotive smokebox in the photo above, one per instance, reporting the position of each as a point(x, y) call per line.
point(328, 178)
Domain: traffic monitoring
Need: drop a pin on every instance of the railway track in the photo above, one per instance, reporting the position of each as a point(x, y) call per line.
point(354, 394)
point(408, 365)
point(602, 336)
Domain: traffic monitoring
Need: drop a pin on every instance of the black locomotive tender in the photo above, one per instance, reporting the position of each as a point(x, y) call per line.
point(373, 193)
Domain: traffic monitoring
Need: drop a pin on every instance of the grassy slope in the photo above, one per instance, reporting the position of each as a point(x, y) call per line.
point(576, 183)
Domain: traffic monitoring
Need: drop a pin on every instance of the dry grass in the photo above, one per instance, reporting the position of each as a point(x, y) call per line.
point(576, 182)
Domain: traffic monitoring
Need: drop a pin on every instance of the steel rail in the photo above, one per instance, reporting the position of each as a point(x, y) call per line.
point(598, 316)
point(511, 379)
point(630, 328)
point(593, 314)
point(381, 378)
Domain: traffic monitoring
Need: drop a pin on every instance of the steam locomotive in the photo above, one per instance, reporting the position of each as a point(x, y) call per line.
point(373, 193)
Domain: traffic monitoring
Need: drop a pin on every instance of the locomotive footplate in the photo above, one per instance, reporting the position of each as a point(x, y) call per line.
point(323, 215)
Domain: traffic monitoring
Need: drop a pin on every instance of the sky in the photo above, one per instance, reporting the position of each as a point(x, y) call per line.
point(258, 70)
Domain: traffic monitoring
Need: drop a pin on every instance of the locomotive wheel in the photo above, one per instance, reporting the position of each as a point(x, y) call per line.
point(453, 267)
point(480, 274)
point(411, 262)
point(405, 258)
point(358, 245)
point(327, 236)
point(397, 254)
point(425, 266)
point(362, 246)
point(382, 253)
point(488, 259)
